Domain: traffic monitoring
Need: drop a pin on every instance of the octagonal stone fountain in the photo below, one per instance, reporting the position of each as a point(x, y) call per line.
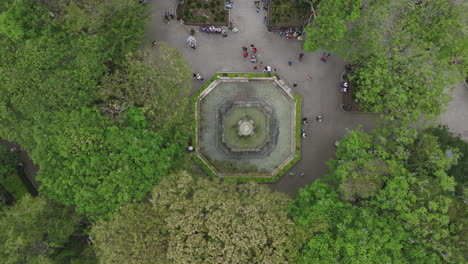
point(246, 126)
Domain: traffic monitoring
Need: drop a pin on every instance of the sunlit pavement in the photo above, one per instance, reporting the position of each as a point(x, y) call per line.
point(456, 117)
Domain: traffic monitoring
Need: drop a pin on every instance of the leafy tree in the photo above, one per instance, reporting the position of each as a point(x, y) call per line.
point(225, 223)
point(156, 80)
point(452, 144)
point(329, 25)
point(402, 54)
point(37, 43)
point(87, 162)
point(22, 19)
point(352, 234)
point(28, 99)
point(399, 26)
point(401, 87)
point(414, 188)
point(34, 229)
point(137, 234)
point(119, 24)
point(360, 171)
point(196, 220)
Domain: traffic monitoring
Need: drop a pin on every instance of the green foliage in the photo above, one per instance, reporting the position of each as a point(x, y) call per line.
point(49, 75)
point(204, 166)
point(399, 181)
point(157, 80)
point(33, 230)
point(328, 27)
point(403, 55)
point(135, 118)
point(87, 162)
point(399, 27)
point(453, 145)
point(401, 87)
point(289, 13)
point(195, 220)
point(59, 60)
point(23, 19)
point(137, 234)
point(118, 24)
point(298, 120)
point(346, 234)
point(10, 181)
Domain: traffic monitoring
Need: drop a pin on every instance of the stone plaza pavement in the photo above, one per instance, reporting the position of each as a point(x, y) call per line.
point(320, 95)
point(456, 115)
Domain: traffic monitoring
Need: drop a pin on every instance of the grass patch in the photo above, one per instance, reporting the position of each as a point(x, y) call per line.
point(9, 177)
point(203, 11)
point(205, 167)
point(289, 13)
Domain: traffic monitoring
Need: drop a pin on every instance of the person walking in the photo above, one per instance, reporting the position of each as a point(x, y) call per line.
point(305, 121)
point(154, 43)
point(253, 59)
point(290, 61)
point(301, 56)
point(244, 48)
point(198, 76)
point(294, 84)
point(325, 57)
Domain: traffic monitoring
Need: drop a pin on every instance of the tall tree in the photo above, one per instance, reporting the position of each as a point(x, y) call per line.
point(204, 221)
point(329, 25)
point(156, 80)
point(405, 56)
point(137, 234)
point(401, 87)
point(452, 144)
point(34, 229)
point(352, 234)
point(88, 162)
point(414, 188)
point(51, 62)
point(22, 19)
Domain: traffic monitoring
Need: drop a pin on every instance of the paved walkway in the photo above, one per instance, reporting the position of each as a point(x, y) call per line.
point(456, 116)
point(320, 95)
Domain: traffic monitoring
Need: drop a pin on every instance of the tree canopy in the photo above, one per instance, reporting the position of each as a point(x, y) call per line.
point(88, 162)
point(155, 79)
point(403, 54)
point(329, 25)
point(34, 229)
point(195, 220)
point(392, 190)
point(65, 74)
